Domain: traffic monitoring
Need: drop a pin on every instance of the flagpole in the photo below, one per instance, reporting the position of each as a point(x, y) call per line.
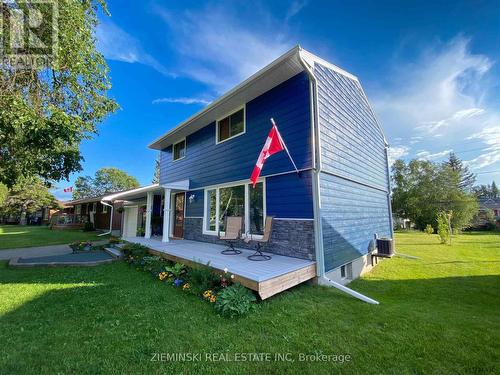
point(284, 146)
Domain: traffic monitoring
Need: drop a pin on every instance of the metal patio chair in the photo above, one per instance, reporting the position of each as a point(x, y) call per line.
point(261, 242)
point(232, 234)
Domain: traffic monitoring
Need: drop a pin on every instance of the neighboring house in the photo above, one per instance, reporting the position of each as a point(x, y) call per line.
point(77, 212)
point(329, 213)
point(488, 204)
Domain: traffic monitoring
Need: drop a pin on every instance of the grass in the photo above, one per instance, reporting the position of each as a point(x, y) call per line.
point(438, 314)
point(15, 236)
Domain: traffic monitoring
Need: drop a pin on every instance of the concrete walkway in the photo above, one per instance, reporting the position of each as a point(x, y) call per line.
point(40, 251)
point(30, 252)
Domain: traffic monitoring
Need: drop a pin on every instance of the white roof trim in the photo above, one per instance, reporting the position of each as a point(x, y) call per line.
point(177, 185)
point(311, 58)
point(128, 193)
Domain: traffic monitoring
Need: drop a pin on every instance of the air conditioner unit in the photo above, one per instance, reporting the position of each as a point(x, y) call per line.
point(385, 246)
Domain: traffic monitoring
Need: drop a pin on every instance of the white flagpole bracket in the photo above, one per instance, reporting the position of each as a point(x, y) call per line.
point(284, 146)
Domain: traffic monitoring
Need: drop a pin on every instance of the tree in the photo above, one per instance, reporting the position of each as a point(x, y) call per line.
point(156, 177)
point(3, 194)
point(487, 191)
point(443, 223)
point(421, 189)
point(46, 111)
point(466, 177)
point(494, 190)
point(106, 180)
point(27, 196)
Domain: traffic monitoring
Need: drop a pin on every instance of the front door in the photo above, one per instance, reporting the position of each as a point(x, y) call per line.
point(179, 215)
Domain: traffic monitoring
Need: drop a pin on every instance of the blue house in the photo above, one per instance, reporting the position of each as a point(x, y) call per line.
point(329, 212)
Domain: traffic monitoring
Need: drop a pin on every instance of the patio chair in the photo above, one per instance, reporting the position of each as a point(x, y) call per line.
point(232, 234)
point(261, 242)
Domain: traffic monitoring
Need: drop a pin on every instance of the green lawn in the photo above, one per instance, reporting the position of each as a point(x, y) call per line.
point(14, 236)
point(438, 314)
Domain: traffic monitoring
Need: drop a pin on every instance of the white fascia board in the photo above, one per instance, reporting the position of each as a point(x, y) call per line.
point(177, 185)
point(128, 193)
point(311, 59)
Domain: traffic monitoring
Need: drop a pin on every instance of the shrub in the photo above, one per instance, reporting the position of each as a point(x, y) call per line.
point(176, 270)
point(235, 300)
point(443, 227)
point(429, 229)
point(88, 227)
point(201, 278)
point(135, 250)
point(114, 240)
point(153, 264)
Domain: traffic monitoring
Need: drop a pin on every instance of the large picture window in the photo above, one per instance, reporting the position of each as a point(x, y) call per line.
point(237, 200)
point(231, 126)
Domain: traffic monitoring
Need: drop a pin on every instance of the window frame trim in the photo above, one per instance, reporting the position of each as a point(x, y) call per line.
point(243, 107)
point(246, 219)
point(173, 149)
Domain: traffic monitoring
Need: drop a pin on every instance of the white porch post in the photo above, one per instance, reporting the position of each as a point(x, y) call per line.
point(149, 209)
point(166, 215)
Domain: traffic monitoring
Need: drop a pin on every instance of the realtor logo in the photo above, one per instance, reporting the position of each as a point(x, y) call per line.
point(29, 33)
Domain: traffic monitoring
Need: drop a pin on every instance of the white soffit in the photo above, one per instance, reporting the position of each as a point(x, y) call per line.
point(132, 194)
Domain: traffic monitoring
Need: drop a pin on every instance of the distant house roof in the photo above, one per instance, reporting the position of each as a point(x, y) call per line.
point(90, 200)
point(492, 203)
point(280, 70)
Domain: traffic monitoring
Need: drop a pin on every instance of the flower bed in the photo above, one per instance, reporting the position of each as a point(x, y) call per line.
point(79, 247)
point(217, 288)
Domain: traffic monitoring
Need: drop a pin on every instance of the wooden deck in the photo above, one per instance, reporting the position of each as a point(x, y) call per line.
point(267, 277)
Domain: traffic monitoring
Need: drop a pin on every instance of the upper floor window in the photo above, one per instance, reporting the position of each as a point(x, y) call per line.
point(231, 126)
point(179, 150)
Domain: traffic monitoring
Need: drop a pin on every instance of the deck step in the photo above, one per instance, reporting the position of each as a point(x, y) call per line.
point(115, 253)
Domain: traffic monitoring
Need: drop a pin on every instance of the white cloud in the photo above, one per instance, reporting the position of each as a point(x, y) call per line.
point(491, 154)
point(116, 44)
point(426, 155)
point(396, 153)
point(217, 48)
point(182, 100)
point(439, 100)
point(295, 7)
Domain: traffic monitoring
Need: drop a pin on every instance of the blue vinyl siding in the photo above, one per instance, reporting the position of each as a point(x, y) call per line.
point(194, 207)
point(352, 144)
point(351, 214)
point(209, 164)
point(354, 182)
point(287, 196)
point(290, 196)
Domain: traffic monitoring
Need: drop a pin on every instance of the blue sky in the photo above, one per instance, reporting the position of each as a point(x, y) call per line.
point(430, 70)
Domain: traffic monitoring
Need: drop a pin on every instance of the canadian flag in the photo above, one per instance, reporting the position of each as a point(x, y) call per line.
point(68, 190)
point(274, 143)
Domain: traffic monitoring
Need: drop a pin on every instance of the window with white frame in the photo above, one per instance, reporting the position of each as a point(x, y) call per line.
point(104, 209)
point(231, 126)
point(94, 207)
point(179, 150)
point(78, 209)
point(235, 200)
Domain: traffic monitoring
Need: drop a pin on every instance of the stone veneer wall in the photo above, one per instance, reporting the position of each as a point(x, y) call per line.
point(294, 238)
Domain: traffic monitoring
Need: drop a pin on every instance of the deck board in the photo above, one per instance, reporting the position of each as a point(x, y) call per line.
point(202, 252)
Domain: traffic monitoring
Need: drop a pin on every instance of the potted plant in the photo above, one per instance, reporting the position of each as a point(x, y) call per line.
point(75, 246)
point(86, 246)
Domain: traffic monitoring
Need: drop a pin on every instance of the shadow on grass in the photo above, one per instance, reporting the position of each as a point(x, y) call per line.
point(115, 325)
